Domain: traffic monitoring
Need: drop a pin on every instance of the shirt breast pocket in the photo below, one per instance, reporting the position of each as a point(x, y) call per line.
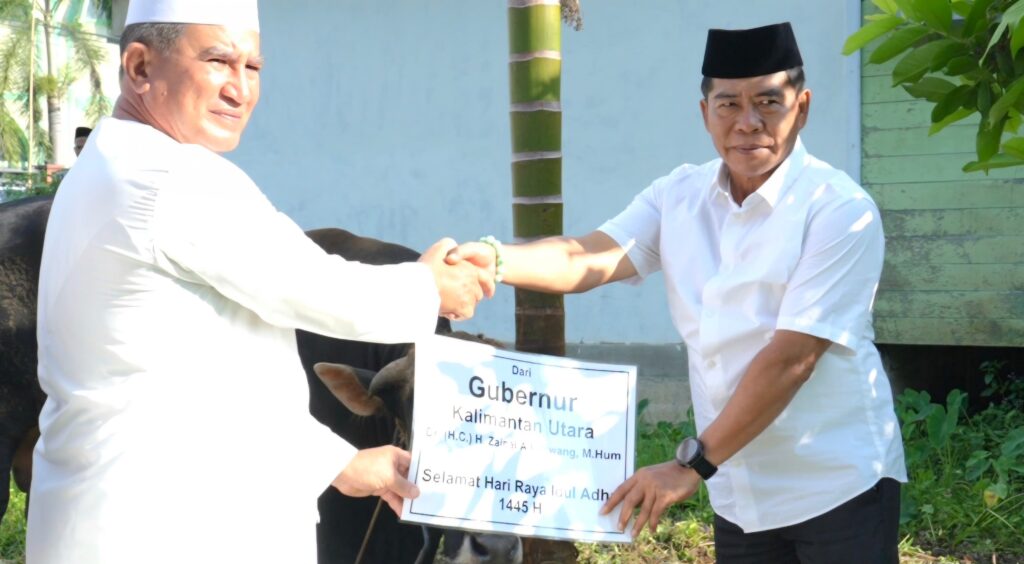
point(772, 252)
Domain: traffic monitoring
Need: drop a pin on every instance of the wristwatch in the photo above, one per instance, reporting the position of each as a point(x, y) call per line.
point(690, 454)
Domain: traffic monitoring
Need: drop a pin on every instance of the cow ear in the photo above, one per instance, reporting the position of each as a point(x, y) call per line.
point(344, 383)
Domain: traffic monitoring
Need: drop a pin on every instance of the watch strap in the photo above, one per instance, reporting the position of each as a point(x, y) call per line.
point(703, 468)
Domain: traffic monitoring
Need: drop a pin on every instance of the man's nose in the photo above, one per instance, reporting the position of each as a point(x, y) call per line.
point(238, 88)
point(749, 119)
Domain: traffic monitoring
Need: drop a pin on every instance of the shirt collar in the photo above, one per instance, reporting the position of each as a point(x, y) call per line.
point(773, 188)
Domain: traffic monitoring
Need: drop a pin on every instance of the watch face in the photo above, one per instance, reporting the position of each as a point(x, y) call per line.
point(687, 451)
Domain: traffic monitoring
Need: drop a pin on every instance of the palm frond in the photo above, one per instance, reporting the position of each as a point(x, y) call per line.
point(87, 51)
point(66, 76)
point(13, 140)
point(104, 7)
point(15, 10)
point(13, 61)
point(89, 57)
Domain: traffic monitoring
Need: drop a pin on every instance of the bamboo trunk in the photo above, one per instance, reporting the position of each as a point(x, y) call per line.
point(535, 75)
point(535, 69)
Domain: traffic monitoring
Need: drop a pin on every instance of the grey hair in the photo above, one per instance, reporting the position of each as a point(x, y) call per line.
point(795, 76)
point(161, 37)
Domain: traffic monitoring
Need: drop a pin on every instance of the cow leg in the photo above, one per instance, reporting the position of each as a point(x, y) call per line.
point(547, 551)
point(431, 542)
point(23, 463)
point(7, 448)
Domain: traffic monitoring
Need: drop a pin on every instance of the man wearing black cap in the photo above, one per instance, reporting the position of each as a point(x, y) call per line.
point(81, 136)
point(771, 260)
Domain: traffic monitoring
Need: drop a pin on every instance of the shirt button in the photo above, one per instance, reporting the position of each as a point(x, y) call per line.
point(711, 364)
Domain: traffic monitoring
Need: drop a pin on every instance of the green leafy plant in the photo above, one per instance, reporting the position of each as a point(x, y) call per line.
point(966, 489)
point(964, 56)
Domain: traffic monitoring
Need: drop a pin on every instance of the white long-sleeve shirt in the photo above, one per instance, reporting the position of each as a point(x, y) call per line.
point(803, 253)
point(176, 427)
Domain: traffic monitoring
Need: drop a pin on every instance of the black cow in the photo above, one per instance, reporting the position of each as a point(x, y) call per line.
point(344, 520)
point(22, 225)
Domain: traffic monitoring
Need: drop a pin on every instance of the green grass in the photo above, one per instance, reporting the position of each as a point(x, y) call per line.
point(12, 530)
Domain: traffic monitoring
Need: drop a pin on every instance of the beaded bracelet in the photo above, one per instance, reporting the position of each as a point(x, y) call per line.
point(499, 264)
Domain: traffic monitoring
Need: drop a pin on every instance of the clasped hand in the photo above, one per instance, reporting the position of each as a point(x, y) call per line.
point(461, 283)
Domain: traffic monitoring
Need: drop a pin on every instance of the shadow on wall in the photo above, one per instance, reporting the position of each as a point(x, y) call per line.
point(940, 369)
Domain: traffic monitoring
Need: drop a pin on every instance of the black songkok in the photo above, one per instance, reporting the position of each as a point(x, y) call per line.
point(744, 53)
point(82, 132)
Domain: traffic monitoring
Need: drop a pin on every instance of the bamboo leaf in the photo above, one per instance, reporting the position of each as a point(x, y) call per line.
point(1017, 38)
point(999, 160)
point(1006, 101)
point(987, 141)
point(1011, 17)
point(1014, 147)
point(947, 53)
point(976, 17)
point(870, 32)
point(938, 14)
point(1012, 121)
point(951, 102)
point(961, 8)
point(888, 6)
point(960, 65)
point(930, 88)
point(916, 63)
point(949, 120)
point(984, 101)
point(907, 7)
point(898, 42)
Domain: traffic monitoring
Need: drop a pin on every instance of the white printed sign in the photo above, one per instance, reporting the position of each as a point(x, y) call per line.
point(520, 443)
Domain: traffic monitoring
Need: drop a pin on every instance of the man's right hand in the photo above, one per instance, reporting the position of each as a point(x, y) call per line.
point(380, 471)
point(461, 285)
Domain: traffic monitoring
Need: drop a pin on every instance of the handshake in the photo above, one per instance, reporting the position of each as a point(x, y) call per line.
point(464, 274)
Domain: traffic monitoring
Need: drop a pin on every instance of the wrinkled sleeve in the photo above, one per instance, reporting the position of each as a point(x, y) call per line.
point(637, 229)
point(219, 229)
point(832, 289)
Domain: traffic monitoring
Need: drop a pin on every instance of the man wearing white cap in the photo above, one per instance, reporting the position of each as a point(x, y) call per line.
point(176, 427)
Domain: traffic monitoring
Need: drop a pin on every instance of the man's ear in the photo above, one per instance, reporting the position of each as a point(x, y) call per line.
point(704, 111)
point(803, 101)
point(136, 61)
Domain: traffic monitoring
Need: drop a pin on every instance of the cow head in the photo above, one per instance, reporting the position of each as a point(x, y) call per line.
point(390, 392)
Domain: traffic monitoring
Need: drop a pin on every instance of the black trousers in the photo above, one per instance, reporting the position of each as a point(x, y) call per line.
point(864, 530)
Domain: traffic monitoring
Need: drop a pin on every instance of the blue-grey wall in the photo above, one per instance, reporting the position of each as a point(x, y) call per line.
point(390, 119)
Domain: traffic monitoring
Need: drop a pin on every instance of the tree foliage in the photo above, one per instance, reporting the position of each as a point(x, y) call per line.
point(50, 83)
point(966, 57)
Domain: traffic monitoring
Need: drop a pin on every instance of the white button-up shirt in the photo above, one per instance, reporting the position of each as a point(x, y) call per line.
point(176, 427)
point(803, 253)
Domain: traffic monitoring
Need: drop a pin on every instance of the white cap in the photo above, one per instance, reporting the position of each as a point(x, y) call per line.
point(228, 13)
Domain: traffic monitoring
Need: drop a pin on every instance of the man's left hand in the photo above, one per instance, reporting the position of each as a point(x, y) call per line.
point(653, 489)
